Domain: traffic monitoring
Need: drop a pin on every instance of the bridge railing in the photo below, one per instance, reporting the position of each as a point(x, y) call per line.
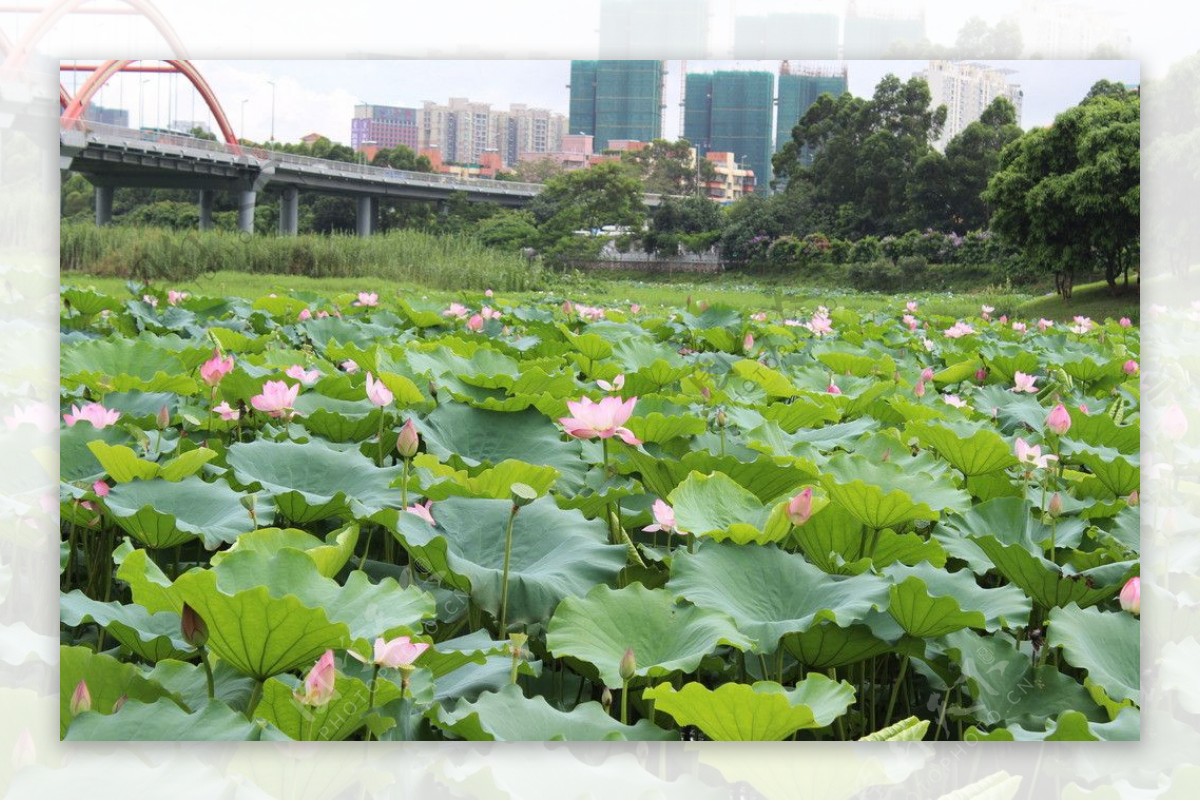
point(267, 154)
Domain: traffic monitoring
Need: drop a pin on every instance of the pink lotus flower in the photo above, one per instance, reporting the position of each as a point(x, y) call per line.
point(954, 400)
point(927, 374)
point(276, 398)
point(367, 299)
point(377, 393)
point(910, 321)
point(226, 411)
point(423, 511)
point(981, 375)
point(175, 298)
point(568, 308)
point(1130, 367)
point(305, 314)
point(24, 752)
point(1082, 324)
point(1032, 455)
point(1125, 322)
point(81, 699)
point(590, 313)
point(928, 343)
point(1131, 596)
point(911, 306)
point(456, 310)
point(1133, 498)
point(604, 419)
point(153, 301)
point(617, 383)
point(664, 518)
point(400, 652)
point(488, 313)
point(100, 488)
point(919, 389)
point(759, 317)
point(350, 366)
point(635, 308)
point(1019, 327)
point(305, 377)
point(94, 413)
point(833, 388)
point(1059, 420)
point(37, 414)
point(1004, 319)
point(959, 329)
point(475, 323)
point(1024, 383)
point(748, 342)
point(1083, 407)
point(488, 293)
point(799, 508)
point(819, 325)
point(1043, 324)
point(319, 683)
point(322, 314)
point(408, 440)
point(216, 368)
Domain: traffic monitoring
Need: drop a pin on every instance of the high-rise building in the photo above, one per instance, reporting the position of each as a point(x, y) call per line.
point(874, 29)
point(386, 126)
point(731, 112)
point(810, 36)
point(966, 89)
point(524, 130)
point(617, 100)
point(462, 131)
point(798, 89)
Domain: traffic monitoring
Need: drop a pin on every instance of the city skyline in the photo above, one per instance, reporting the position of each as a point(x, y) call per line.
point(320, 96)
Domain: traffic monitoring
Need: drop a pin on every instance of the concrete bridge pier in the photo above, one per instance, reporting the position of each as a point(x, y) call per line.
point(366, 215)
point(104, 204)
point(206, 206)
point(289, 212)
point(246, 199)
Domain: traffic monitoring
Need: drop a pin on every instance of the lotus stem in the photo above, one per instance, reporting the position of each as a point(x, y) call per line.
point(379, 457)
point(70, 552)
point(366, 548)
point(371, 696)
point(208, 674)
point(508, 534)
point(625, 702)
point(887, 718)
point(255, 694)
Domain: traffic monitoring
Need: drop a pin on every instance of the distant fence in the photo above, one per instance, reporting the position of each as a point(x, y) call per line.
point(652, 263)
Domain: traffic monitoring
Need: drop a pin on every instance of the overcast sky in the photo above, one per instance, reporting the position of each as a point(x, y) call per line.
point(320, 95)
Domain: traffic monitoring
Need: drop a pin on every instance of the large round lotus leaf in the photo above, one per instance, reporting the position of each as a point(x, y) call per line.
point(910, 729)
point(556, 553)
point(1006, 686)
point(972, 448)
point(1047, 583)
point(1100, 430)
point(117, 357)
point(107, 680)
point(163, 513)
point(76, 460)
point(1119, 473)
point(717, 506)
point(827, 645)
point(256, 633)
point(764, 710)
point(332, 722)
point(1105, 644)
point(152, 637)
point(928, 602)
point(508, 715)
point(665, 635)
point(1071, 726)
point(87, 301)
point(338, 420)
point(1011, 521)
point(330, 555)
point(769, 592)
point(311, 481)
point(884, 494)
point(437, 481)
point(767, 477)
point(471, 437)
point(163, 720)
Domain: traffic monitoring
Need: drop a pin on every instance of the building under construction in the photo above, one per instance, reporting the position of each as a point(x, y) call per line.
point(799, 87)
point(616, 100)
point(730, 112)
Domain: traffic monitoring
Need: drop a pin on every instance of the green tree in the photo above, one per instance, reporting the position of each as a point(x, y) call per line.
point(538, 171)
point(402, 158)
point(667, 168)
point(694, 222)
point(607, 194)
point(1069, 194)
point(508, 230)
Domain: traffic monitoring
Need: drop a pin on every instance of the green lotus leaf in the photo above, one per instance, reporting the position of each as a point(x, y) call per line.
point(1099, 430)
point(163, 513)
point(835, 541)
point(1070, 726)
point(1047, 583)
point(801, 441)
point(769, 592)
point(928, 602)
point(556, 553)
point(123, 465)
point(311, 481)
point(908, 730)
point(768, 478)
point(665, 635)
point(762, 711)
point(972, 448)
point(508, 715)
point(716, 506)
point(189, 683)
point(485, 367)
point(338, 420)
point(1088, 369)
point(149, 586)
point(327, 330)
point(1105, 644)
point(438, 481)
point(87, 301)
point(475, 648)
point(107, 680)
point(163, 720)
point(656, 427)
point(1005, 360)
point(108, 359)
point(1015, 412)
point(330, 555)
point(775, 383)
point(422, 315)
point(801, 412)
point(150, 636)
point(859, 364)
point(827, 645)
point(336, 720)
point(884, 495)
point(77, 461)
point(1119, 473)
point(959, 371)
point(1006, 687)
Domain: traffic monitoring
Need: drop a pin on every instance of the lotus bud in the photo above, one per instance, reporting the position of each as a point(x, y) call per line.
point(721, 418)
point(927, 374)
point(628, 666)
point(1130, 367)
point(522, 494)
point(1133, 498)
point(249, 503)
point(800, 507)
point(408, 441)
point(163, 419)
point(919, 389)
point(81, 699)
point(606, 700)
point(748, 342)
point(981, 375)
point(1131, 596)
point(195, 630)
point(1059, 420)
point(516, 644)
point(1055, 507)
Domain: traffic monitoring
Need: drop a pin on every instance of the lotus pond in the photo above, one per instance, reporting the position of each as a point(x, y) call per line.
point(353, 517)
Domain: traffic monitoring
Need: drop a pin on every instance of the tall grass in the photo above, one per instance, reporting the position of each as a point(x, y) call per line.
point(437, 262)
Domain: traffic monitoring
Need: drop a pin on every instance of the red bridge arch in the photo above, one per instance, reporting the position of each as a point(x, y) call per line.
point(78, 104)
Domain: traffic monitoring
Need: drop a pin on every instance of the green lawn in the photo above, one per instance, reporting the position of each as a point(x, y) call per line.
point(1088, 300)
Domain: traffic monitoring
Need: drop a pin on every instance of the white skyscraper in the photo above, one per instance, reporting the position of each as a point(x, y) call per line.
point(966, 89)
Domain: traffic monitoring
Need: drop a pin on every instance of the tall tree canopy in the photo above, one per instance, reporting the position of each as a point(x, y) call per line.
point(1070, 194)
point(606, 194)
point(667, 167)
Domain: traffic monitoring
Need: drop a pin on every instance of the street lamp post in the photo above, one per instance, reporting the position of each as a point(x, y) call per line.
point(242, 130)
point(141, 102)
point(272, 110)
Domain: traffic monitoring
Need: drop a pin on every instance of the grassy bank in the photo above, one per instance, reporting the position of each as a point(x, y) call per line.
point(412, 257)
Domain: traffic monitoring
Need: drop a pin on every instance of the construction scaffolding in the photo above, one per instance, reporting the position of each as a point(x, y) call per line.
point(730, 112)
point(617, 100)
